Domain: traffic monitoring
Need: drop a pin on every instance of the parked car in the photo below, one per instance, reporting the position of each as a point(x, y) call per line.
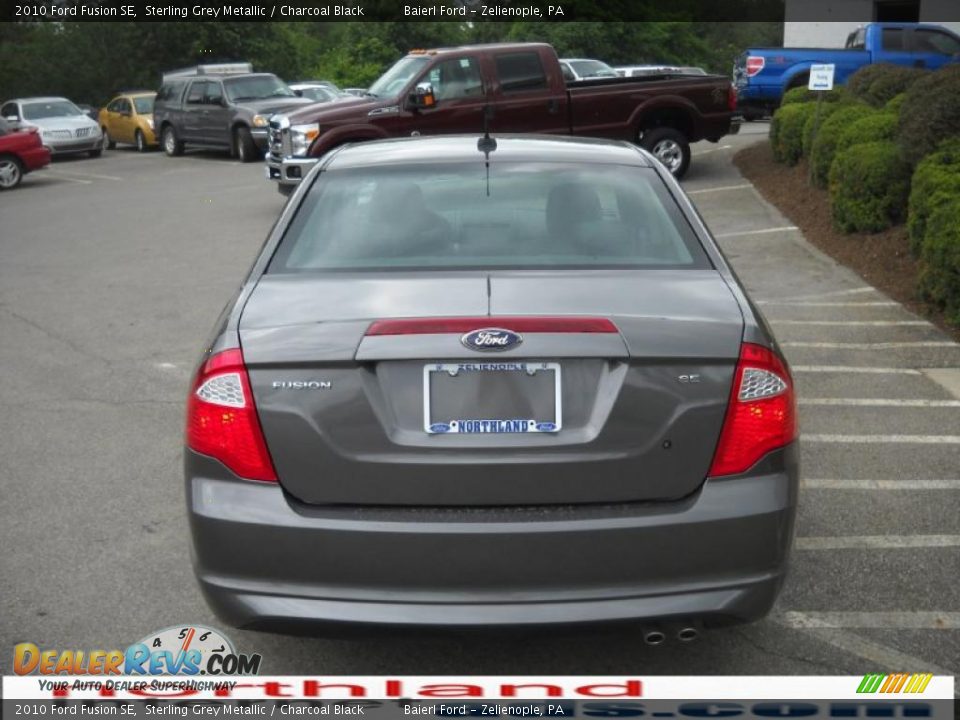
point(228, 111)
point(128, 118)
point(356, 92)
point(763, 75)
point(21, 152)
point(646, 70)
point(508, 88)
point(576, 69)
point(89, 110)
point(521, 362)
point(317, 92)
point(64, 128)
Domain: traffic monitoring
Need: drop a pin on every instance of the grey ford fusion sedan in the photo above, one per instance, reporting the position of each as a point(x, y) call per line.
point(506, 381)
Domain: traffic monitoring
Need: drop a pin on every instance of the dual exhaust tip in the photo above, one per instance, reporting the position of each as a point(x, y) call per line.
point(685, 634)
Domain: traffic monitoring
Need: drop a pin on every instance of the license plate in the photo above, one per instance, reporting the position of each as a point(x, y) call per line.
point(491, 397)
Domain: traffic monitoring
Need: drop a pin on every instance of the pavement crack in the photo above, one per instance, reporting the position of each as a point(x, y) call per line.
point(55, 336)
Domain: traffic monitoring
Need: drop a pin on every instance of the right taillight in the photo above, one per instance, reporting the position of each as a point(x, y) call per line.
point(754, 65)
point(222, 420)
point(762, 414)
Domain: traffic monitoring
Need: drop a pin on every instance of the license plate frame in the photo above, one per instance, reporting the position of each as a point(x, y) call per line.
point(493, 426)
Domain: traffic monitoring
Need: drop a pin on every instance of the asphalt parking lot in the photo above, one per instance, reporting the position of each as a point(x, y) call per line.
point(112, 272)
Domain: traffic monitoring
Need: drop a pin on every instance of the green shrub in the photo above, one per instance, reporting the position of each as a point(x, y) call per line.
point(895, 103)
point(869, 184)
point(823, 147)
point(814, 123)
point(802, 94)
point(788, 146)
point(930, 113)
point(940, 259)
point(880, 83)
point(935, 182)
point(879, 125)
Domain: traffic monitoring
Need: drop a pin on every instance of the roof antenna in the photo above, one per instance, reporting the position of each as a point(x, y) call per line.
point(487, 144)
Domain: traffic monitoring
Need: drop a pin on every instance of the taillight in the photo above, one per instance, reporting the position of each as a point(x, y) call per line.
point(762, 414)
point(222, 421)
point(754, 65)
point(731, 98)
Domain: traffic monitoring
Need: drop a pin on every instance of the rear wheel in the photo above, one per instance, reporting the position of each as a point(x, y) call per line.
point(140, 142)
point(108, 142)
point(171, 145)
point(243, 145)
point(11, 172)
point(670, 147)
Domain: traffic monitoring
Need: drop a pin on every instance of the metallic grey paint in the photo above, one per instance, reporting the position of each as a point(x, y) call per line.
point(375, 521)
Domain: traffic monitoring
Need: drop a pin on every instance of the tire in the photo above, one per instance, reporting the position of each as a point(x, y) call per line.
point(140, 141)
point(96, 153)
point(171, 145)
point(108, 142)
point(11, 172)
point(286, 190)
point(670, 147)
point(243, 145)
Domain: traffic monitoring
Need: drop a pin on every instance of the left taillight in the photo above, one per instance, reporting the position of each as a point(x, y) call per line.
point(761, 415)
point(222, 420)
point(731, 98)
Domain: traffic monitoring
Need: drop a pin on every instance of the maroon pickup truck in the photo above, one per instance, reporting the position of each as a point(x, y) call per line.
point(509, 88)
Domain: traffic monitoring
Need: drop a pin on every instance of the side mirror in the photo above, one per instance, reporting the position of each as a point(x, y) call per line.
point(12, 119)
point(423, 96)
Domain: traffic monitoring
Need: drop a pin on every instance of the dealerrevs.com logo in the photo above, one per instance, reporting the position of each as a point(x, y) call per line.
point(176, 650)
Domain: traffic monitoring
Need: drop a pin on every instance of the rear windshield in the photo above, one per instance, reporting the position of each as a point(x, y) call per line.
point(526, 215)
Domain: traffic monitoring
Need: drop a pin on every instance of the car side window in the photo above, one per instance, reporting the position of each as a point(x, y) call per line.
point(123, 105)
point(568, 75)
point(214, 94)
point(520, 72)
point(197, 92)
point(892, 39)
point(456, 79)
point(10, 110)
point(935, 41)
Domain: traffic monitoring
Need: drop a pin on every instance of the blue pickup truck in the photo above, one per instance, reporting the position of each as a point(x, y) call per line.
point(763, 75)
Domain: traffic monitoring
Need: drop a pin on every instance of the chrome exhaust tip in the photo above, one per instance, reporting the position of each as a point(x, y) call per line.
point(688, 634)
point(654, 637)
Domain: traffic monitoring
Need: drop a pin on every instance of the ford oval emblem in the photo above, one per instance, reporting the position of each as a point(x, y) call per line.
point(490, 339)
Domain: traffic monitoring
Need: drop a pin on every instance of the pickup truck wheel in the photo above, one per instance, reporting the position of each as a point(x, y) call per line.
point(11, 173)
point(286, 190)
point(670, 147)
point(243, 144)
point(171, 145)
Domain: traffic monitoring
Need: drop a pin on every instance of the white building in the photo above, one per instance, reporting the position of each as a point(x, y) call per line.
point(835, 19)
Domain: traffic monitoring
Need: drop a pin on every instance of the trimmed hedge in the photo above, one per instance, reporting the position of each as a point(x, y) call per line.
point(895, 103)
point(813, 124)
point(930, 113)
point(869, 184)
point(823, 147)
point(788, 139)
point(935, 182)
point(940, 259)
point(877, 84)
point(802, 95)
point(879, 125)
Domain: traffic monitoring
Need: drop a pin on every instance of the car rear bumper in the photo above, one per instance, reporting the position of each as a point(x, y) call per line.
point(265, 561)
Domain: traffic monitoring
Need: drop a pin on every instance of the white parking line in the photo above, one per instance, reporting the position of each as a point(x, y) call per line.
point(853, 369)
point(711, 150)
point(74, 173)
point(892, 620)
point(851, 484)
point(829, 293)
point(872, 346)
point(885, 439)
point(68, 179)
point(854, 323)
point(817, 303)
point(744, 233)
point(876, 542)
point(880, 402)
point(876, 654)
point(722, 188)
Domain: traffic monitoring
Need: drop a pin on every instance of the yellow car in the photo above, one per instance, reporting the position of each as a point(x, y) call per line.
point(128, 118)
